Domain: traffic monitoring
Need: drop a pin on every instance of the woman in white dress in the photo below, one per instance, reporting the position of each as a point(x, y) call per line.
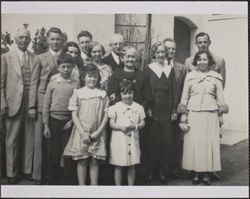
point(202, 106)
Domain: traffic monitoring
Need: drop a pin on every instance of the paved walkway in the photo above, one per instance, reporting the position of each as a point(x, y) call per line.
point(234, 168)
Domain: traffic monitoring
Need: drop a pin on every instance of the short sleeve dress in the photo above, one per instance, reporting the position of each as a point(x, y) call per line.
point(125, 147)
point(90, 105)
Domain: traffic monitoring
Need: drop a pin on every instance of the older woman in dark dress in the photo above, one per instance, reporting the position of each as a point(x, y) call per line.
point(128, 72)
point(162, 110)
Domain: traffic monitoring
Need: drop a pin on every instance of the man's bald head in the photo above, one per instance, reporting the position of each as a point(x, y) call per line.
point(22, 39)
point(117, 44)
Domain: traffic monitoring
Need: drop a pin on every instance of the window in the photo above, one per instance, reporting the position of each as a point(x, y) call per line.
point(134, 29)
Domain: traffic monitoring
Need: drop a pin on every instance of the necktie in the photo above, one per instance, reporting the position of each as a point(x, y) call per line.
point(120, 61)
point(169, 61)
point(23, 62)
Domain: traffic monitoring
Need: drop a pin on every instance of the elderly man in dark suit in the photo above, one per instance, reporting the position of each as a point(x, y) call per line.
point(180, 74)
point(45, 66)
point(16, 67)
point(114, 59)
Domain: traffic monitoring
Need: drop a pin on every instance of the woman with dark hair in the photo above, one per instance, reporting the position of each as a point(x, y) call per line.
point(202, 106)
point(161, 111)
point(73, 49)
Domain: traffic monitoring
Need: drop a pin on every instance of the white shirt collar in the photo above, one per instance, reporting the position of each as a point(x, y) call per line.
point(116, 57)
point(20, 54)
point(158, 69)
point(83, 55)
point(58, 78)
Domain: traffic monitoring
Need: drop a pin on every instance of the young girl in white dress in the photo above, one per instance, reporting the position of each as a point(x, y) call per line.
point(126, 118)
point(87, 142)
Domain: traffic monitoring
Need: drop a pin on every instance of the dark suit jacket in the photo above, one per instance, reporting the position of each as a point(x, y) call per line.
point(12, 80)
point(180, 75)
point(44, 68)
point(109, 60)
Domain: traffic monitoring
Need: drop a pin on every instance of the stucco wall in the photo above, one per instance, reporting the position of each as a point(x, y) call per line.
point(100, 25)
point(10, 22)
point(162, 26)
point(230, 39)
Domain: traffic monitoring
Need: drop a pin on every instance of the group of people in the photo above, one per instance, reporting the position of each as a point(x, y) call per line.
point(73, 113)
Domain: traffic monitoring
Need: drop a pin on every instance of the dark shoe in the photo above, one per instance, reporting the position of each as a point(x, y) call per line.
point(215, 176)
point(28, 177)
point(149, 178)
point(163, 178)
point(206, 181)
point(196, 179)
point(13, 180)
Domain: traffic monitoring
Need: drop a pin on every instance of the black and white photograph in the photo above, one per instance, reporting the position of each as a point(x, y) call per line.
point(124, 99)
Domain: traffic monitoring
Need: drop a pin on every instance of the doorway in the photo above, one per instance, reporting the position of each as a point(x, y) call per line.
point(183, 31)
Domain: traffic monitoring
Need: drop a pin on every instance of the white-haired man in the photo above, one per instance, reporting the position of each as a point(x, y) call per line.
point(16, 67)
point(114, 59)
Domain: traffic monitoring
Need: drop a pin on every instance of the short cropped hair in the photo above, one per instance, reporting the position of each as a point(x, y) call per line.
point(169, 39)
point(211, 61)
point(202, 34)
point(54, 30)
point(84, 33)
point(65, 58)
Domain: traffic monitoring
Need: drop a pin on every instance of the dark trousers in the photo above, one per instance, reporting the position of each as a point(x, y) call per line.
point(56, 144)
point(106, 170)
point(178, 145)
point(2, 146)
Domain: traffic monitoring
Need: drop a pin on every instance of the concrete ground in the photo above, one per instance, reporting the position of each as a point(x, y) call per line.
point(234, 157)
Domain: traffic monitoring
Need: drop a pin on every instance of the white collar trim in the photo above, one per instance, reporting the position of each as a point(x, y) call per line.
point(158, 69)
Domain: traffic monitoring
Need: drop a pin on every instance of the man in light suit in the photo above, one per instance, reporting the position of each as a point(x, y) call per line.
point(16, 67)
point(114, 59)
point(202, 41)
point(180, 74)
point(44, 67)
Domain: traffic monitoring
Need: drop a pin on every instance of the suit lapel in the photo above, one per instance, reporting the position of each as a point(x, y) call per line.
point(113, 60)
point(51, 60)
point(176, 71)
point(16, 62)
point(31, 58)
